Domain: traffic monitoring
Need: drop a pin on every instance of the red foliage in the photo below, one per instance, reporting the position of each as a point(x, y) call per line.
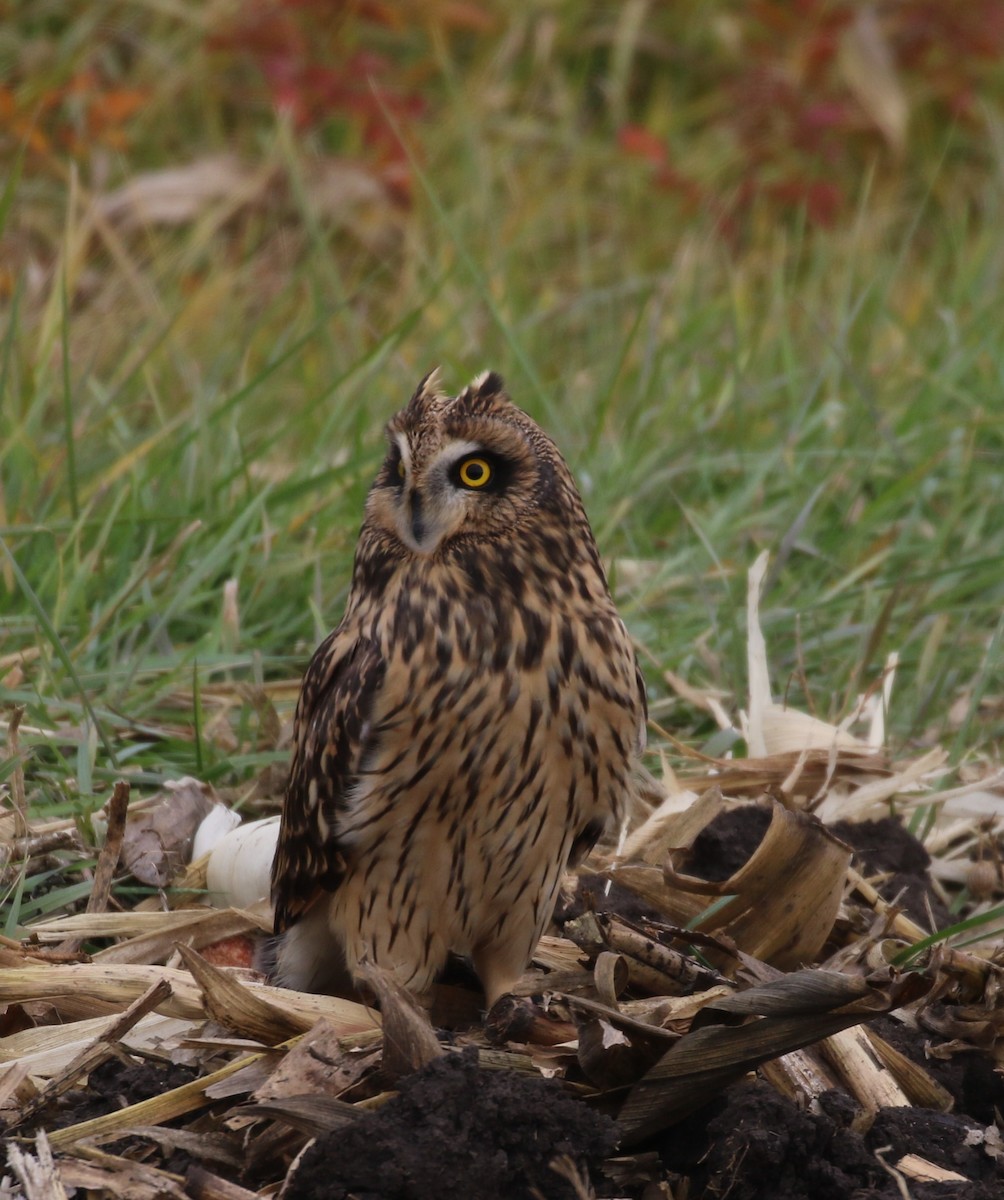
point(641, 143)
point(314, 74)
point(801, 117)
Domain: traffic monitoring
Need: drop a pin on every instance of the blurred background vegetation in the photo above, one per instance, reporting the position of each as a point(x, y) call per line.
point(743, 260)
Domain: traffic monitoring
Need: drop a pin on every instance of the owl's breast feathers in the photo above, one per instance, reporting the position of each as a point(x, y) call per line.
point(486, 677)
point(465, 734)
point(470, 727)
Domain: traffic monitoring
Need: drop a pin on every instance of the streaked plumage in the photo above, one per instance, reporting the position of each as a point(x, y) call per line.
point(470, 726)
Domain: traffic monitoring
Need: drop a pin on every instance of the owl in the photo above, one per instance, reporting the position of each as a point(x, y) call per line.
point(468, 731)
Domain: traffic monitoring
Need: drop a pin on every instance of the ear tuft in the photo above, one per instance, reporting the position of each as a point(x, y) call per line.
point(488, 383)
point(485, 391)
point(429, 393)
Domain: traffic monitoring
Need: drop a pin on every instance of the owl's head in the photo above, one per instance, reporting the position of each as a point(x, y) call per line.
point(463, 467)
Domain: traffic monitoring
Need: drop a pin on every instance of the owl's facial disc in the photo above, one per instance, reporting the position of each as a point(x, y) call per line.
point(451, 491)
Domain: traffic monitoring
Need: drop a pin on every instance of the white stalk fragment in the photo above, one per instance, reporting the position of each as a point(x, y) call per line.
point(239, 867)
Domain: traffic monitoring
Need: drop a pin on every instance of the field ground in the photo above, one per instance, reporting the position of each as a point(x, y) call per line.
point(747, 275)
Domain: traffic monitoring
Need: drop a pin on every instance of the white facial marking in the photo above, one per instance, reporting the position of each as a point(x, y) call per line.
point(404, 449)
point(454, 451)
point(442, 506)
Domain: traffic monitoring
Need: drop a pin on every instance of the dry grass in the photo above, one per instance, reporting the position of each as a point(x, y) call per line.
point(209, 312)
point(780, 971)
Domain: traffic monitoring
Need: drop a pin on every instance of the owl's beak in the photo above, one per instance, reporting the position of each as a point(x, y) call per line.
point(415, 517)
point(418, 531)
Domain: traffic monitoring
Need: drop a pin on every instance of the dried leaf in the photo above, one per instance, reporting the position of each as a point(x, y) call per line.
point(408, 1038)
point(178, 195)
point(800, 1009)
point(235, 1006)
point(868, 68)
point(158, 844)
point(611, 976)
point(771, 728)
point(318, 1065)
point(201, 1184)
point(311, 1114)
point(673, 825)
point(786, 896)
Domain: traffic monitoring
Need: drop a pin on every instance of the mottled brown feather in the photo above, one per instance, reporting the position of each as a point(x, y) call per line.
point(470, 727)
point(331, 728)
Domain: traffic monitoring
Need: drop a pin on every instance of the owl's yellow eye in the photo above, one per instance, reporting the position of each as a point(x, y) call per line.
point(474, 472)
point(400, 468)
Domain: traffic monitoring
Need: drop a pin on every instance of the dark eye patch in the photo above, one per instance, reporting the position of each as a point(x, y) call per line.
point(393, 476)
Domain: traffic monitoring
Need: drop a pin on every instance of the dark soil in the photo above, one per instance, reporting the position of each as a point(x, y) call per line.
point(753, 1144)
point(881, 848)
point(969, 1074)
point(886, 848)
point(725, 843)
point(112, 1085)
point(592, 895)
point(940, 1138)
point(457, 1132)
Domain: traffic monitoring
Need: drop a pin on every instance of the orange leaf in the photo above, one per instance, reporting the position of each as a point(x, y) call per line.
point(117, 106)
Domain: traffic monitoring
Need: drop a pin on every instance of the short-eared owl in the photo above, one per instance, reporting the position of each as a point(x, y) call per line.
point(469, 728)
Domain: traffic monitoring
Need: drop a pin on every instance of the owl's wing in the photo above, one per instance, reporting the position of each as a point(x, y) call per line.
point(591, 833)
point(642, 690)
point(331, 730)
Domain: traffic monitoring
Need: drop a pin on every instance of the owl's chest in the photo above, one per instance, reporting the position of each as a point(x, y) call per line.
point(432, 623)
point(489, 710)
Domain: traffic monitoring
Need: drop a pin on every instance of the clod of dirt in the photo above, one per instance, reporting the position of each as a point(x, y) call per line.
point(761, 1146)
point(111, 1086)
point(758, 1145)
point(969, 1075)
point(727, 842)
point(456, 1132)
point(886, 847)
point(941, 1139)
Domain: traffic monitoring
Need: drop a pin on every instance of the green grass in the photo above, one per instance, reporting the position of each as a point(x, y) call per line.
point(184, 406)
